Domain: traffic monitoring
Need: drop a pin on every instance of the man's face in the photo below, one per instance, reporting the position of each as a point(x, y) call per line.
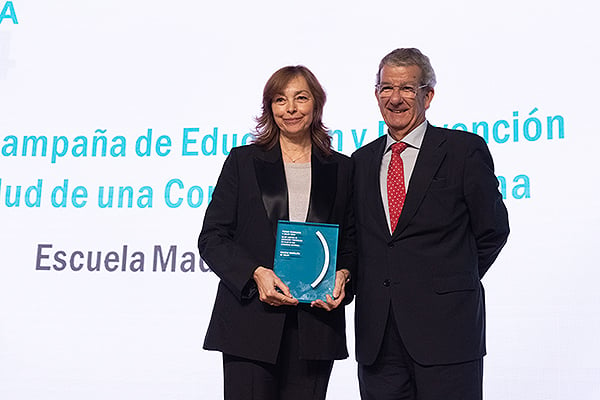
point(400, 112)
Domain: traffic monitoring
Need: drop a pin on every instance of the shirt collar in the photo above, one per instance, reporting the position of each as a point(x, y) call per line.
point(413, 139)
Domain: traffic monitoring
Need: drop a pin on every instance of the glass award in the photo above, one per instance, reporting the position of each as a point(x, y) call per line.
point(305, 258)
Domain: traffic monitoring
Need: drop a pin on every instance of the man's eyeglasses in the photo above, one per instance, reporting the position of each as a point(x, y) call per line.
point(406, 91)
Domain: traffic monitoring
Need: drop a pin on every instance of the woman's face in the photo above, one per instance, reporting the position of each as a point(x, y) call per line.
point(293, 108)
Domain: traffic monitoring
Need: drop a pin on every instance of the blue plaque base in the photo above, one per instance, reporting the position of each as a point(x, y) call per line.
point(305, 258)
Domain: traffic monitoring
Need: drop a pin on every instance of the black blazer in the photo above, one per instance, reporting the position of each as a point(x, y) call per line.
point(238, 235)
point(451, 229)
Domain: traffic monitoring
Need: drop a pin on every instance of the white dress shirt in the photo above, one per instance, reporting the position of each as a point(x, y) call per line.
point(409, 157)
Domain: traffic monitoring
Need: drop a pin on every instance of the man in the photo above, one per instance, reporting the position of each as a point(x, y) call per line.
point(430, 222)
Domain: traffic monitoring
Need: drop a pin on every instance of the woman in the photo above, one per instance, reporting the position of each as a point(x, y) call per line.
point(273, 347)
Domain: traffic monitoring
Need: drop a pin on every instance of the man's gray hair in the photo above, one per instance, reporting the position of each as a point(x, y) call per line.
point(407, 57)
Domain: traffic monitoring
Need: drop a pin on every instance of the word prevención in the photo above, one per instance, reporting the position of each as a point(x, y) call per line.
point(161, 259)
point(193, 143)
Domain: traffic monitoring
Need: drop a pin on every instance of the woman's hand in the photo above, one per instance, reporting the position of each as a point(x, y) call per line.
point(268, 283)
point(342, 277)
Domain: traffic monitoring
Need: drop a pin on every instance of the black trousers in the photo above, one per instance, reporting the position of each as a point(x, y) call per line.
point(289, 379)
point(396, 376)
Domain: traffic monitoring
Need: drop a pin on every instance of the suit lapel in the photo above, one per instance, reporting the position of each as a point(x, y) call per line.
point(373, 188)
point(430, 157)
point(323, 187)
point(270, 175)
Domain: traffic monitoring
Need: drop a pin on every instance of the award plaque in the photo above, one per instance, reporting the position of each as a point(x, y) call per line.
point(305, 258)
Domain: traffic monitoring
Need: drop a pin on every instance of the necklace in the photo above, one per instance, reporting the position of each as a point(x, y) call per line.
point(293, 160)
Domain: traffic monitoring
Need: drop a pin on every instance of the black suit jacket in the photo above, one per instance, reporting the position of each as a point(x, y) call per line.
point(238, 235)
point(451, 229)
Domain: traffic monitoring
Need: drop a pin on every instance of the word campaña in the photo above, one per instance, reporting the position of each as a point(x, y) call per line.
point(194, 143)
point(100, 145)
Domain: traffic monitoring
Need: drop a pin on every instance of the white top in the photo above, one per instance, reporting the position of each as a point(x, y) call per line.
point(298, 177)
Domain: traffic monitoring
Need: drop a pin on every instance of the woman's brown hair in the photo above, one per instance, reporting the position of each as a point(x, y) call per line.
point(267, 131)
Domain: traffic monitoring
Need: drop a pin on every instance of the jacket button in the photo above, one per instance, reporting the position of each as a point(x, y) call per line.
point(386, 283)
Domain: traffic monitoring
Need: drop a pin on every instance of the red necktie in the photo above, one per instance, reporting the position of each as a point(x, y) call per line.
point(395, 183)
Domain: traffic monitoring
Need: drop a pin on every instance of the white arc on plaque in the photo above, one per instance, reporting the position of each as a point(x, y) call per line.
point(325, 263)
